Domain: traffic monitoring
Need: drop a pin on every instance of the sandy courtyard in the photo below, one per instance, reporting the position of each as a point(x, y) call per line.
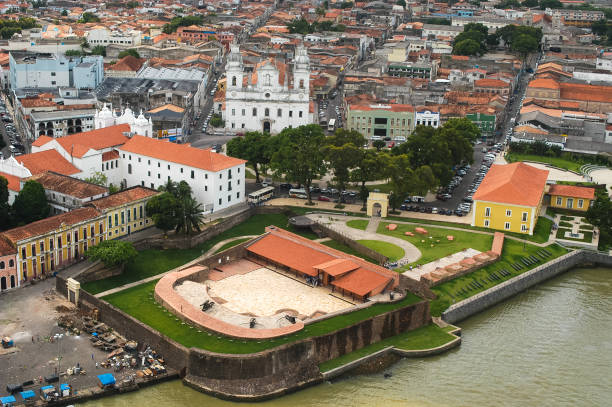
point(264, 292)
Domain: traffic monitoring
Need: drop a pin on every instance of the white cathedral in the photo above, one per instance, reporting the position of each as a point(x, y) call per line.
point(138, 125)
point(269, 99)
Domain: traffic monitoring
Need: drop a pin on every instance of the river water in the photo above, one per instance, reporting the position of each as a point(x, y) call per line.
point(548, 346)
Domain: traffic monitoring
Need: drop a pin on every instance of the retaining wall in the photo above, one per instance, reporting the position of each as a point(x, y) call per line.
point(515, 285)
point(358, 247)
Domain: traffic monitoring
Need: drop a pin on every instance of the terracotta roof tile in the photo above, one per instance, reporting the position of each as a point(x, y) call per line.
point(80, 143)
point(572, 191)
point(67, 185)
point(13, 181)
point(47, 225)
point(6, 246)
point(49, 160)
point(122, 197)
point(110, 155)
point(361, 282)
point(180, 154)
point(544, 83)
point(516, 183)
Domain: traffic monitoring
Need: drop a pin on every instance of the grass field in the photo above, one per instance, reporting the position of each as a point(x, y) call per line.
point(435, 244)
point(360, 224)
point(139, 302)
point(554, 161)
point(448, 293)
point(427, 337)
point(588, 235)
point(152, 262)
point(564, 224)
point(389, 250)
point(334, 244)
point(232, 244)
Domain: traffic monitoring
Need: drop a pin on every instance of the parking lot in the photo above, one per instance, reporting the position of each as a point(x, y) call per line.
point(14, 145)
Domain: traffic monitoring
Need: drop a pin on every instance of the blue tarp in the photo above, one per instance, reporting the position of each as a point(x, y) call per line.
point(7, 400)
point(47, 387)
point(64, 386)
point(106, 379)
point(27, 394)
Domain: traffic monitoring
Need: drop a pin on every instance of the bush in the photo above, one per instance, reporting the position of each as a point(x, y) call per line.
point(112, 252)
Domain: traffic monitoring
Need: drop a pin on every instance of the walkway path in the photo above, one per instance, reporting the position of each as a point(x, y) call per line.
point(338, 223)
point(373, 225)
point(210, 251)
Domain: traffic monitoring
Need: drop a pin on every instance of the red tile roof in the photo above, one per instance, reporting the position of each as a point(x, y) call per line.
point(6, 247)
point(390, 107)
point(516, 183)
point(13, 181)
point(52, 223)
point(337, 267)
point(544, 83)
point(491, 83)
point(68, 185)
point(123, 197)
point(180, 154)
point(572, 191)
point(110, 155)
point(80, 143)
point(48, 160)
point(361, 282)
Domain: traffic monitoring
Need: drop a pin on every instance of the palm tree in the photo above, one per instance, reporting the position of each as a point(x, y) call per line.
point(169, 186)
point(182, 191)
point(190, 217)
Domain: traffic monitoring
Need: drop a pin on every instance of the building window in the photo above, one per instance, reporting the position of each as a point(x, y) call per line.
point(229, 198)
point(219, 201)
point(117, 218)
point(254, 111)
point(524, 217)
point(570, 203)
point(523, 228)
point(486, 223)
point(192, 174)
point(122, 218)
point(279, 112)
point(233, 81)
point(301, 83)
point(23, 252)
point(129, 168)
point(580, 203)
point(290, 113)
point(507, 225)
point(487, 212)
point(33, 249)
point(233, 112)
point(244, 112)
point(1, 265)
point(267, 112)
point(559, 200)
point(508, 212)
point(300, 113)
point(42, 247)
point(11, 263)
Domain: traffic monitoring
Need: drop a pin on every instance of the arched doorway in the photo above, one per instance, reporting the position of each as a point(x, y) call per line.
point(12, 281)
point(266, 127)
point(3, 283)
point(376, 209)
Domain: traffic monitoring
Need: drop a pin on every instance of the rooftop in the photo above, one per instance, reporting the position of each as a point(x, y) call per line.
point(80, 143)
point(180, 153)
point(123, 197)
point(48, 160)
point(516, 184)
point(67, 185)
point(572, 191)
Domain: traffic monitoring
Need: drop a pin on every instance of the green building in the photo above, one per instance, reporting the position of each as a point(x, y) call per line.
point(485, 122)
point(377, 122)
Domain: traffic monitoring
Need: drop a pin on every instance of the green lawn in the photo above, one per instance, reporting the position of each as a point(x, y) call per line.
point(439, 246)
point(427, 337)
point(554, 161)
point(384, 188)
point(565, 224)
point(232, 244)
point(448, 293)
point(588, 235)
point(564, 217)
point(139, 302)
point(540, 234)
point(152, 262)
point(360, 224)
point(389, 250)
point(334, 244)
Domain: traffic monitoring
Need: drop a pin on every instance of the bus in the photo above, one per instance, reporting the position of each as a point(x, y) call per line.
point(297, 193)
point(261, 195)
point(331, 126)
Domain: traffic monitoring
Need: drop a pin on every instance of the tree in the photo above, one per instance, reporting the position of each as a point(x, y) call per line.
point(88, 17)
point(466, 47)
point(73, 53)
point(164, 210)
point(217, 121)
point(190, 217)
point(132, 4)
point(379, 144)
point(254, 147)
point(185, 21)
point(31, 203)
point(401, 3)
point(99, 50)
point(343, 153)
point(299, 26)
point(6, 220)
point(170, 186)
point(64, 13)
point(370, 167)
point(112, 253)
point(544, 4)
point(599, 214)
point(98, 178)
point(530, 3)
point(600, 27)
point(300, 155)
point(127, 52)
point(524, 44)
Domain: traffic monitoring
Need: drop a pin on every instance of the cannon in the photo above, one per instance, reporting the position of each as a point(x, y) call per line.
point(208, 304)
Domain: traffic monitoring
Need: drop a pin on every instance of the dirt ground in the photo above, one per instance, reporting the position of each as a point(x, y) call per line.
point(29, 316)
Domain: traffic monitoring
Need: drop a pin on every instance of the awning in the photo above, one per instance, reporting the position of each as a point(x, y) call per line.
point(106, 379)
point(28, 394)
point(64, 386)
point(47, 388)
point(8, 400)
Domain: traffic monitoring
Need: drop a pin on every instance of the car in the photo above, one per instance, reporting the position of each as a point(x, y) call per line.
point(285, 186)
point(434, 210)
point(404, 207)
point(323, 198)
point(428, 210)
point(333, 191)
point(316, 190)
point(458, 212)
point(468, 199)
point(461, 172)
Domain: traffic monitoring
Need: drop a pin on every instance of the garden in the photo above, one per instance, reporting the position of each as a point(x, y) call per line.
point(574, 228)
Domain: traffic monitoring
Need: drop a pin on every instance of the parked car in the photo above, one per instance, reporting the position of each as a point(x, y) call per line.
point(285, 186)
point(404, 207)
point(323, 198)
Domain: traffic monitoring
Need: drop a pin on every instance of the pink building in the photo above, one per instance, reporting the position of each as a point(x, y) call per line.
point(8, 265)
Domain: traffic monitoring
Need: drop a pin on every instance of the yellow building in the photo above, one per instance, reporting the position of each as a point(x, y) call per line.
point(571, 197)
point(54, 242)
point(124, 211)
point(509, 198)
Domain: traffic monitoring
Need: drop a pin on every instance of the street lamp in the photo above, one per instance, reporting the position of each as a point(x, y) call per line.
point(57, 337)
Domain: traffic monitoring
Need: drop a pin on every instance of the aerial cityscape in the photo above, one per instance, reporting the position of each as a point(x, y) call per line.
point(306, 203)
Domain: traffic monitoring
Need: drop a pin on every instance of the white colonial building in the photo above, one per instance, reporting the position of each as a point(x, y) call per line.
point(427, 118)
point(270, 98)
point(216, 180)
point(138, 125)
